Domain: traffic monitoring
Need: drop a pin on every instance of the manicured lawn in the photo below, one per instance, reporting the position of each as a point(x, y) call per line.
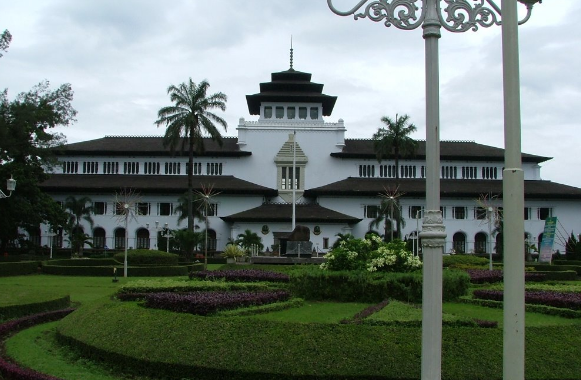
point(316, 312)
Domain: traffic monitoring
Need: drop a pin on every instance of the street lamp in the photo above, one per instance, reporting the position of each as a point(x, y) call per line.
point(10, 186)
point(166, 233)
point(160, 230)
point(461, 16)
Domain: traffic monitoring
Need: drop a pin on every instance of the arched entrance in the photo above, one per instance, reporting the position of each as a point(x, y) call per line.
point(459, 242)
point(120, 238)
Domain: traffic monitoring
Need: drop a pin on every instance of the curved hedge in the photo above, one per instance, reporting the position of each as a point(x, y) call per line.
point(81, 262)
point(19, 310)
point(18, 268)
point(154, 343)
point(147, 257)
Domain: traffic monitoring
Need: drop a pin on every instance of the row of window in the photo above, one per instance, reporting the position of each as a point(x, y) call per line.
point(134, 167)
point(291, 112)
point(447, 172)
point(460, 212)
point(145, 208)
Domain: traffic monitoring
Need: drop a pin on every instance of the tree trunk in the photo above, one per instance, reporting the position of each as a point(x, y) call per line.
point(190, 251)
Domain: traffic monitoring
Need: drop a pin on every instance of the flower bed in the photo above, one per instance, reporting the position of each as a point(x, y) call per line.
point(10, 370)
point(564, 300)
point(482, 276)
point(205, 303)
point(246, 275)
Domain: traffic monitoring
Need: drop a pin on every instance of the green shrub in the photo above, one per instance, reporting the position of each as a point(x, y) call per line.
point(371, 254)
point(81, 262)
point(147, 257)
point(363, 286)
point(18, 268)
point(462, 261)
point(51, 303)
point(158, 286)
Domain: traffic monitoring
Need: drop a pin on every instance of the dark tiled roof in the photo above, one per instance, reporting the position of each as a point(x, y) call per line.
point(290, 86)
point(148, 184)
point(449, 188)
point(148, 146)
point(449, 150)
point(313, 213)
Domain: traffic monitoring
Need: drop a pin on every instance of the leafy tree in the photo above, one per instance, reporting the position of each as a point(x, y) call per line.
point(182, 209)
point(187, 121)
point(573, 248)
point(394, 140)
point(188, 240)
point(79, 209)
point(341, 238)
point(5, 39)
point(26, 149)
point(249, 240)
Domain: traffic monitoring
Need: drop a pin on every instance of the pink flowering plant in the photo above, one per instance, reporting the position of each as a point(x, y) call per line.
point(371, 254)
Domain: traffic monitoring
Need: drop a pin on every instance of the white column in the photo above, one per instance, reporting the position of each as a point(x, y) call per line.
point(513, 202)
point(433, 232)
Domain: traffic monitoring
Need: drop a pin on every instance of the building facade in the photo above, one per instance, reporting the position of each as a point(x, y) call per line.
point(291, 155)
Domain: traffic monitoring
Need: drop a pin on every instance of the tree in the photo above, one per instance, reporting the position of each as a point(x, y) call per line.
point(26, 151)
point(388, 213)
point(394, 140)
point(5, 39)
point(79, 209)
point(249, 240)
point(182, 210)
point(187, 121)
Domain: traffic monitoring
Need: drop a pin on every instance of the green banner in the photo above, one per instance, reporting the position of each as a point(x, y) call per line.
point(546, 249)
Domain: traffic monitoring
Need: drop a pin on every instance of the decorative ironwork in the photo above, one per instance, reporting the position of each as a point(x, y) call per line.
point(455, 15)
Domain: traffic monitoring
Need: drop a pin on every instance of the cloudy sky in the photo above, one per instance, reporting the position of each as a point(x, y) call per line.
point(121, 55)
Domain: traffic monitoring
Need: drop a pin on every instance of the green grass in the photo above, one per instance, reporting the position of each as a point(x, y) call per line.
point(37, 348)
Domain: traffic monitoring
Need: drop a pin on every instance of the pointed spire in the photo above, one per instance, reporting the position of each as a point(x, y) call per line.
point(291, 53)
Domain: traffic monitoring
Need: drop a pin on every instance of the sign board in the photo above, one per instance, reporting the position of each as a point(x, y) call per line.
point(546, 248)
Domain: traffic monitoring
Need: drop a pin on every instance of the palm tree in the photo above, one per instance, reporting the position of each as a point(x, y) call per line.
point(79, 209)
point(394, 140)
point(182, 209)
point(389, 212)
point(249, 240)
point(188, 120)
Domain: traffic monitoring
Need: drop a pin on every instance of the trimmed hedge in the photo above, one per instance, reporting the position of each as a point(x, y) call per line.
point(362, 286)
point(557, 268)
point(16, 311)
point(149, 271)
point(147, 257)
point(165, 286)
point(18, 268)
point(81, 262)
point(155, 345)
point(463, 261)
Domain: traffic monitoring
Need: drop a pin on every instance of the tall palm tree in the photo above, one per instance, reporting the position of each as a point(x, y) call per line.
point(188, 121)
point(79, 209)
point(394, 140)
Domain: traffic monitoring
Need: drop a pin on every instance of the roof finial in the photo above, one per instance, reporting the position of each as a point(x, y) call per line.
point(291, 53)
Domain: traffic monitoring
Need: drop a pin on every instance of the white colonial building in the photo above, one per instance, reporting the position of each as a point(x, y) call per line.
point(291, 148)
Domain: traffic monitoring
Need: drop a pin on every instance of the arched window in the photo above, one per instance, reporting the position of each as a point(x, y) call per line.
point(98, 238)
point(459, 242)
point(480, 240)
point(499, 248)
point(120, 238)
point(142, 239)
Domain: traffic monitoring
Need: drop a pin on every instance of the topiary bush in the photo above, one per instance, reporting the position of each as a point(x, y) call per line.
point(147, 257)
point(464, 261)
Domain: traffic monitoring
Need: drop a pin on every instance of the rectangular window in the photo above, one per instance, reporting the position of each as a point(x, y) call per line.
point(443, 211)
point(480, 213)
point(302, 113)
point(527, 213)
point(545, 212)
point(165, 208)
point(459, 212)
point(212, 210)
point(415, 212)
point(279, 112)
point(325, 243)
point(268, 112)
point(283, 179)
point(100, 208)
point(142, 208)
point(290, 112)
point(314, 113)
point(371, 211)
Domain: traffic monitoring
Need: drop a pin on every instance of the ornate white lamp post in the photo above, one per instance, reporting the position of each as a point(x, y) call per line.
point(461, 16)
point(10, 186)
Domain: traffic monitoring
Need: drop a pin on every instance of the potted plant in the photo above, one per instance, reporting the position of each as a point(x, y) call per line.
point(232, 252)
